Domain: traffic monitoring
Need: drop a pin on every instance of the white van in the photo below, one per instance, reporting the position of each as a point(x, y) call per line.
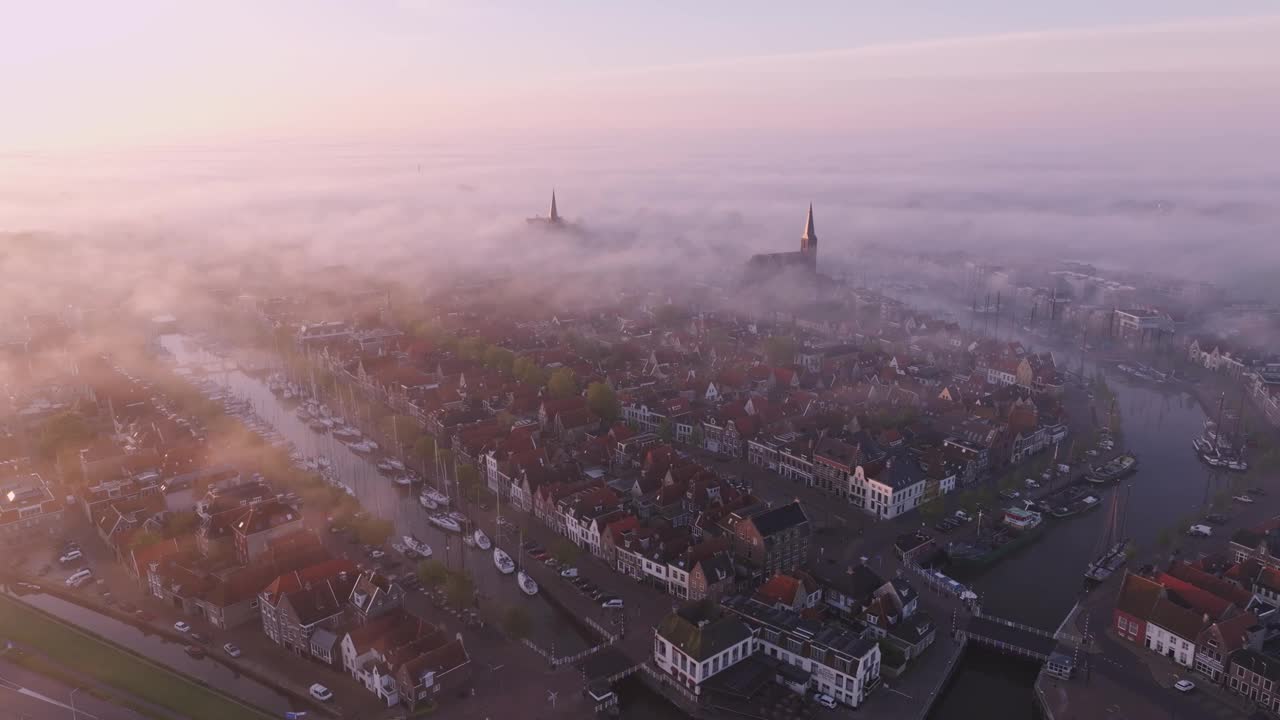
point(79, 578)
point(1200, 531)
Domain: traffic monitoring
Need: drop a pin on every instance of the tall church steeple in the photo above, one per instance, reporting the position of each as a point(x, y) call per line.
point(554, 216)
point(809, 240)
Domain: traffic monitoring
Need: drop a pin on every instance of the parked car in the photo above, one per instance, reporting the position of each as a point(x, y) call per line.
point(231, 649)
point(1091, 453)
point(1243, 499)
point(182, 627)
point(202, 639)
point(611, 603)
point(1184, 686)
point(70, 557)
point(962, 516)
point(824, 700)
point(79, 577)
point(194, 651)
point(1200, 531)
point(569, 572)
point(1010, 494)
point(1257, 491)
point(1216, 519)
point(377, 554)
point(320, 692)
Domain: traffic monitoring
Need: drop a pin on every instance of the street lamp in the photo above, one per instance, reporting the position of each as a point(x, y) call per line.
point(74, 715)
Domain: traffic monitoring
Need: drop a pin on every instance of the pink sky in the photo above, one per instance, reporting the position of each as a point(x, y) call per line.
point(153, 72)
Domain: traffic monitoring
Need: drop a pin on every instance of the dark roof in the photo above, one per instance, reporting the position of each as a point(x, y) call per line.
point(701, 630)
point(1258, 663)
point(717, 567)
point(1178, 620)
point(1138, 596)
point(858, 582)
point(779, 519)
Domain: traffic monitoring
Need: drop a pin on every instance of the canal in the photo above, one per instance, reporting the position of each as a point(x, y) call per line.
point(380, 496)
point(1040, 585)
point(162, 650)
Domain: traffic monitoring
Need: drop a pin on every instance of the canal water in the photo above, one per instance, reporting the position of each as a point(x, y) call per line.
point(380, 496)
point(1040, 585)
point(162, 650)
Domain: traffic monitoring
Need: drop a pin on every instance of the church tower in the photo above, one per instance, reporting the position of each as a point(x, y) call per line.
point(809, 241)
point(554, 216)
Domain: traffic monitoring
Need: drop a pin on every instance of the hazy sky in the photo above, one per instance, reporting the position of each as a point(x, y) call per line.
point(156, 71)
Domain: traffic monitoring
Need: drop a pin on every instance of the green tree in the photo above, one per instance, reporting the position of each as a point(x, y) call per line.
point(780, 350)
point(432, 573)
point(932, 511)
point(516, 622)
point(670, 317)
point(665, 431)
point(499, 359)
point(469, 481)
point(424, 451)
point(471, 348)
point(459, 590)
point(401, 428)
point(66, 431)
point(374, 531)
point(603, 401)
point(563, 383)
point(527, 371)
point(564, 551)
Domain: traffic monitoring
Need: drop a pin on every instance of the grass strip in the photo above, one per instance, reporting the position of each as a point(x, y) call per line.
point(112, 665)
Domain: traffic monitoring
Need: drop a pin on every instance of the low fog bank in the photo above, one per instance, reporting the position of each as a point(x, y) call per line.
point(139, 226)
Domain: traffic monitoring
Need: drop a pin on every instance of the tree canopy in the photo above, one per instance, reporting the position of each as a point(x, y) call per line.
point(780, 350)
point(603, 401)
point(563, 383)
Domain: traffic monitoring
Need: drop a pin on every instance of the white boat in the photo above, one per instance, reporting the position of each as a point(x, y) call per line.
point(503, 562)
point(427, 502)
point(403, 480)
point(458, 516)
point(364, 447)
point(481, 540)
point(346, 432)
point(444, 522)
point(390, 466)
point(323, 462)
point(437, 497)
point(526, 583)
point(417, 546)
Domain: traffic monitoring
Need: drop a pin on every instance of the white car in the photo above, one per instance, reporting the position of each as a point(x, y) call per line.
point(612, 604)
point(1091, 453)
point(824, 700)
point(231, 649)
point(1243, 499)
point(70, 557)
point(320, 693)
point(79, 578)
point(1185, 686)
point(1200, 531)
point(569, 572)
point(377, 554)
point(182, 627)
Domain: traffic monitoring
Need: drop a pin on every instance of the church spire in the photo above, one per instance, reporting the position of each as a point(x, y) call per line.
point(810, 238)
point(554, 216)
